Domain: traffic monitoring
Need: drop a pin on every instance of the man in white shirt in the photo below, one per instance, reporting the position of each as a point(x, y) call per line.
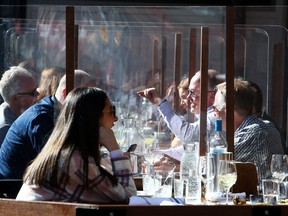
point(187, 132)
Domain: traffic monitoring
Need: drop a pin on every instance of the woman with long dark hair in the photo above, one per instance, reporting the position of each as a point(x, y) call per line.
point(69, 166)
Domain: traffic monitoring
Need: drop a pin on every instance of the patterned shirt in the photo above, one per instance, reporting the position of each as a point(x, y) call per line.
point(256, 141)
point(100, 189)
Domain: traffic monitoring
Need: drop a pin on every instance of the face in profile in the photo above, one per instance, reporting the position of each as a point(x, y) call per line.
point(109, 116)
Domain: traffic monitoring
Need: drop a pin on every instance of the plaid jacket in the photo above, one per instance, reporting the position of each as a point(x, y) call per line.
point(100, 189)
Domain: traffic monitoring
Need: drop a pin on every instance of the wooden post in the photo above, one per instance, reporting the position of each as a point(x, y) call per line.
point(204, 55)
point(192, 53)
point(76, 46)
point(230, 77)
point(177, 69)
point(163, 62)
point(192, 64)
point(155, 61)
point(70, 48)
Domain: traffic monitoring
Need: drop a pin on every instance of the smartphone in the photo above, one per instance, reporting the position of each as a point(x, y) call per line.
point(132, 148)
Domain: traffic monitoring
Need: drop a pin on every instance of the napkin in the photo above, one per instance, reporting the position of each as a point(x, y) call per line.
point(141, 200)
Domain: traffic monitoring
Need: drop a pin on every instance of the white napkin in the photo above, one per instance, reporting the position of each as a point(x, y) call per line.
point(138, 200)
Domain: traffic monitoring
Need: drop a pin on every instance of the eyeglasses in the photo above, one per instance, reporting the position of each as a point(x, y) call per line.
point(194, 94)
point(33, 93)
point(112, 110)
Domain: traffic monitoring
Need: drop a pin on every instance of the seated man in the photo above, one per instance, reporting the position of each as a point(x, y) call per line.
point(184, 130)
point(30, 131)
point(18, 89)
point(254, 140)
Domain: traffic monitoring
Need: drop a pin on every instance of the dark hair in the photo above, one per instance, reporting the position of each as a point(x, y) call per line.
point(77, 127)
point(258, 98)
point(243, 97)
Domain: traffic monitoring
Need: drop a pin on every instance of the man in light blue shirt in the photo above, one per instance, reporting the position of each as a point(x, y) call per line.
point(186, 131)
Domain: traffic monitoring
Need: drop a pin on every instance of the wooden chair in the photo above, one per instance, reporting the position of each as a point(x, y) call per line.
point(247, 178)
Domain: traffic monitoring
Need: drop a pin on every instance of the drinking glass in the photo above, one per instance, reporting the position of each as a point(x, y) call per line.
point(208, 170)
point(279, 166)
point(227, 175)
point(279, 170)
point(152, 155)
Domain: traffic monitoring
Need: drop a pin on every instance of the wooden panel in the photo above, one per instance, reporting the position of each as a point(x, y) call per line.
point(70, 48)
point(21, 208)
point(230, 77)
point(204, 87)
point(177, 69)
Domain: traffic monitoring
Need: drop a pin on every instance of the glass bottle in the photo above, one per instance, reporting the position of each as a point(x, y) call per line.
point(190, 172)
point(146, 110)
point(218, 143)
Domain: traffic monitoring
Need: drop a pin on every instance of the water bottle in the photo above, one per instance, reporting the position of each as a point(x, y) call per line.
point(190, 172)
point(218, 143)
point(218, 150)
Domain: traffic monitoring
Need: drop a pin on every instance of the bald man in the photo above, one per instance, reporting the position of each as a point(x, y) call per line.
point(28, 134)
point(186, 131)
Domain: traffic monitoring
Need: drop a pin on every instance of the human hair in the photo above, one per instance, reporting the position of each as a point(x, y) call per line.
point(184, 83)
point(49, 81)
point(77, 127)
point(10, 82)
point(258, 98)
point(221, 99)
point(243, 97)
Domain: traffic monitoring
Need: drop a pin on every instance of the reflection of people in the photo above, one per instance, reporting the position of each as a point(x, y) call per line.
point(254, 140)
point(27, 135)
point(184, 130)
point(84, 122)
point(183, 92)
point(49, 81)
point(18, 89)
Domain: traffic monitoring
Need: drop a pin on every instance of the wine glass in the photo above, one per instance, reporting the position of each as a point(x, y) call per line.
point(279, 166)
point(227, 175)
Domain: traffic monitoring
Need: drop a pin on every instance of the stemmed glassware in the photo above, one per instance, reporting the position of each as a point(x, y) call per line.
point(279, 166)
point(227, 175)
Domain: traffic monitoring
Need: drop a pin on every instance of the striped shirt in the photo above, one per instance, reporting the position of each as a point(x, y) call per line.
point(99, 190)
point(256, 141)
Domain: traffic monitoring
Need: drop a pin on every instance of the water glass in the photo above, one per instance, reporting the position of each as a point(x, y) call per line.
point(150, 183)
point(178, 185)
point(163, 183)
point(271, 190)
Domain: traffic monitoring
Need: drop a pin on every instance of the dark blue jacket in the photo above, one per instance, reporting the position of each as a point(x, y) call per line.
point(26, 137)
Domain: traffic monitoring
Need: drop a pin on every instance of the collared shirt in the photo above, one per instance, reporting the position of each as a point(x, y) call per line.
point(26, 137)
point(187, 132)
point(7, 117)
point(256, 141)
point(100, 189)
